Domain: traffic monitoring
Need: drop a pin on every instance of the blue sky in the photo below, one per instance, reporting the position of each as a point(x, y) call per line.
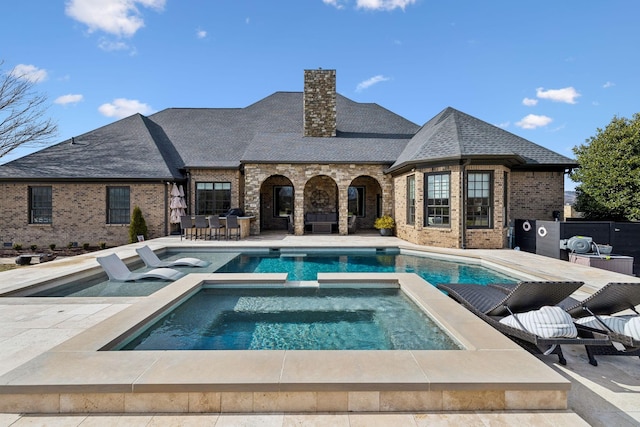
point(550, 71)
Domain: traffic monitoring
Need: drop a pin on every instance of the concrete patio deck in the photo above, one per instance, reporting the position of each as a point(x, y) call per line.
point(603, 395)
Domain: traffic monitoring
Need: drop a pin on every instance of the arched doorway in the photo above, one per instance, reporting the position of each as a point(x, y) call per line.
point(276, 203)
point(321, 197)
point(365, 200)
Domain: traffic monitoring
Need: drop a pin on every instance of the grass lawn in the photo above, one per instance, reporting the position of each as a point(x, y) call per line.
point(5, 267)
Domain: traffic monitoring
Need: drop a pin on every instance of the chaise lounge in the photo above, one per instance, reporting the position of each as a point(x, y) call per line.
point(595, 315)
point(493, 305)
point(151, 260)
point(118, 271)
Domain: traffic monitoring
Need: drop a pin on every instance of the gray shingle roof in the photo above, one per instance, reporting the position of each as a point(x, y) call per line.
point(131, 148)
point(452, 134)
point(159, 146)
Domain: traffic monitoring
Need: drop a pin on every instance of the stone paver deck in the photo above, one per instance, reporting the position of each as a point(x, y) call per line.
point(603, 395)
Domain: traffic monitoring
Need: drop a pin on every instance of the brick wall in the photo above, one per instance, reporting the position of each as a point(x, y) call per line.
point(215, 175)
point(535, 195)
point(451, 237)
point(79, 214)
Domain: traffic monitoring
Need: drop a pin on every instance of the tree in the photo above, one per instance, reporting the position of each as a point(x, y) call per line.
point(22, 113)
point(138, 226)
point(609, 172)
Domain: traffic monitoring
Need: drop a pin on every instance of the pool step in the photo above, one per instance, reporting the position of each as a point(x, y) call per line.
point(302, 284)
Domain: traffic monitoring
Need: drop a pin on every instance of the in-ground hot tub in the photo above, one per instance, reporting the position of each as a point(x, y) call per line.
point(489, 372)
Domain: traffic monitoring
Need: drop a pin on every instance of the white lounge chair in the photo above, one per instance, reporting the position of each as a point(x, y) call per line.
point(117, 270)
point(151, 260)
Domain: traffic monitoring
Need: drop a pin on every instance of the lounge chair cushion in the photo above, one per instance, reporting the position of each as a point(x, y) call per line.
point(625, 325)
point(632, 328)
point(547, 322)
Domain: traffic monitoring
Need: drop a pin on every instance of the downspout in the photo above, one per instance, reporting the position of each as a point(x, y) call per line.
point(463, 203)
point(166, 208)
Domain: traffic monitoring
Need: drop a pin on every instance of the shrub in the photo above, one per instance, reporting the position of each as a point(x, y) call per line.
point(17, 246)
point(384, 221)
point(85, 246)
point(33, 247)
point(138, 226)
point(52, 246)
point(102, 245)
point(69, 245)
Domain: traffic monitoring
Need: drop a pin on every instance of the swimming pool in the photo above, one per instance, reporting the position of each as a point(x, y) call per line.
point(300, 264)
point(300, 318)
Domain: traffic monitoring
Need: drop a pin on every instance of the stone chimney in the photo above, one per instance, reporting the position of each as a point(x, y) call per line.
point(319, 103)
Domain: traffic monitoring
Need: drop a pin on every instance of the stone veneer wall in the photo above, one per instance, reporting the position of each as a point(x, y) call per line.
point(450, 237)
point(535, 195)
point(79, 214)
point(319, 103)
point(300, 174)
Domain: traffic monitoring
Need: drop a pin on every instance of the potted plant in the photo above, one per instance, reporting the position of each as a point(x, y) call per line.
point(385, 224)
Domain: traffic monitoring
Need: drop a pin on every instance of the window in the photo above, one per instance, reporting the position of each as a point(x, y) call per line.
point(213, 198)
point(356, 201)
point(283, 197)
point(479, 203)
point(437, 200)
point(411, 199)
point(40, 205)
point(118, 206)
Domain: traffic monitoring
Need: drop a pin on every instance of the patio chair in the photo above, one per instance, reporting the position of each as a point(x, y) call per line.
point(151, 260)
point(492, 305)
point(215, 227)
point(595, 315)
point(232, 224)
point(186, 224)
point(118, 271)
point(201, 226)
point(352, 225)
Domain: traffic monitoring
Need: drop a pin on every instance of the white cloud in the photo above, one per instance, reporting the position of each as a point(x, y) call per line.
point(370, 82)
point(110, 45)
point(68, 99)
point(383, 4)
point(529, 102)
point(503, 125)
point(122, 107)
point(533, 121)
point(338, 4)
point(121, 18)
point(567, 94)
point(608, 85)
point(29, 72)
point(201, 34)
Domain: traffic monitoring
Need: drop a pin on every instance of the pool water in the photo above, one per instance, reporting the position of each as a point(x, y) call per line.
point(300, 265)
point(301, 318)
point(306, 266)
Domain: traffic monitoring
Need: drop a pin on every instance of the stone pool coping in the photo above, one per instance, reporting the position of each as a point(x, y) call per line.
point(491, 373)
